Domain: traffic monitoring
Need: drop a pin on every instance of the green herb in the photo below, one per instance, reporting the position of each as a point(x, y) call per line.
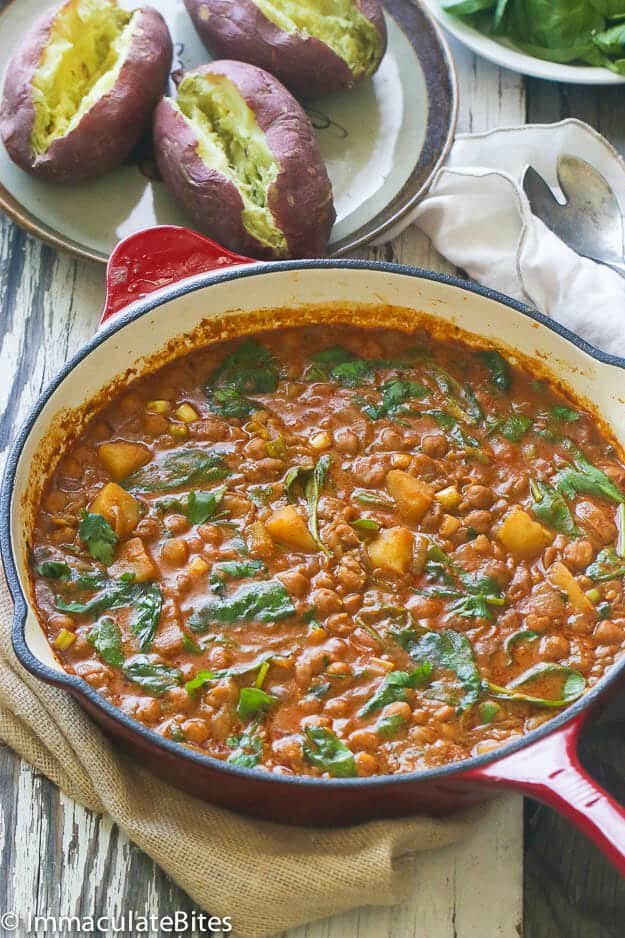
point(189, 645)
point(261, 495)
point(573, 685)
point(587, 479)
point(604, 611)
point(606, 566)
point(524, 635)
point(233, 570)
point(324, 750)
point(203, 678)
point(148, 605)
point(276, 448)
point(495, 362)
point(312, 479)
point(365, 527)
point(515, 427)
point(176, 732)
point(174, 470)
point(202, 506)
point(395, 395)
point(262, 602)
point(155, 678)
point(54, 570)
point(107, 640)
point(374, 499)
point(564, 414)
point(250, 369)
point(320, 690)
point(451, 651)
point(393, 688)
point(340, 365)
point(248, 750)
point(390, 726)
point(99, 537)
point(253, 700)
point(550, 508)
point(588, 32)
point(483, 592)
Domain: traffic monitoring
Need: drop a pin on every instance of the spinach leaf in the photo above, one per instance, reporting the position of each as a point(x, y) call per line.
point(365, 528)
point(395, 395)
point(173, 470)
point(551, 509)
point(148, 605)
point(54, 570)
point(524, 635)
point(202, 678)
point(573, 685)
point(488, 711)
point(251, 369)
point(154, 677)
point(587, 479)
point(483, 592)
point(374, 499)
point(106, 638)
point(515, 427)
point(99, 537)
point(248, 750)
point(253, 700)
point(263, 602)
point(499, 368)
point(234, 570)
point(323, 749)
point(564, 414)
point(261, 495)
point(312, 479)
point(390, 726)
point(340, 365)
point(606, 566)
point(453, 652)
point(394, 686)
point(202, 506)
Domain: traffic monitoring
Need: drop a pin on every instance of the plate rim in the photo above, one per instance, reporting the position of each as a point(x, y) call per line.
point(518, 61)
point(371, 231)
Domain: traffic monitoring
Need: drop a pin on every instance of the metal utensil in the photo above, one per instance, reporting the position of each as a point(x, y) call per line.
point(590, 221)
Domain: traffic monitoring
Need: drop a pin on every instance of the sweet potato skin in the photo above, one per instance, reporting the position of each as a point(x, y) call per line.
point(300, 198)
point(306, 65)
point(110, 129)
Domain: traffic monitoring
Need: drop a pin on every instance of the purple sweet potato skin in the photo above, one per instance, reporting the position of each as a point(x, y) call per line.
point(300, 198)
point(110, 129)
point(306, 65)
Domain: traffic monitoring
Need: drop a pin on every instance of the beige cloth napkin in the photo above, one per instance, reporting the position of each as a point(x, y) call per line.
point(267, 877)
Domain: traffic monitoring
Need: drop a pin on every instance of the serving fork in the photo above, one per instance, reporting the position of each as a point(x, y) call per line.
point(590, 220)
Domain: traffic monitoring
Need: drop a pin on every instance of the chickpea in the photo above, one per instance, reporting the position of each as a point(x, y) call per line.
point(155, 424)
point(444, 713)
point(195, 730)
point(401, 460)
point(366, 763)
point(337, 707)
point(434, 445)
point(479, 496)
point(256, 448)
point(578, 555)
point(608, 633)
point(400, 709)
point(480, 521)
point(554, 647)
point(315, 720)
point(148, 529)
point(55, 501)
point(177, 524)
point(346, 441)
point(389, 439)
point(310, 704)
point(175, 552)
point(536, 623)
point(210, 534)
point(420, 717)
point(288, 750)
point(326, 601)
point(295, 582)
point(148, 710)
point(363, 740)
point(340, 624)
point(339, 669)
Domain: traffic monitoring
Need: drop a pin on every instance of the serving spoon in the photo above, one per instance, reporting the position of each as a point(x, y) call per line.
point(590, 220)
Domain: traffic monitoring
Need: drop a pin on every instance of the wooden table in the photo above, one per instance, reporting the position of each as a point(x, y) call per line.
point(58, 859)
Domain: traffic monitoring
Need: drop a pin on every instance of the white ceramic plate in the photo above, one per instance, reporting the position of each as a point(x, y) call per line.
point(382, 143)
point(503, 53)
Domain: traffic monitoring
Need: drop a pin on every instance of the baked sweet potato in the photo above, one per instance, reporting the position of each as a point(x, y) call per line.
point(241, 157)
point(80, 89)
point(312, 46)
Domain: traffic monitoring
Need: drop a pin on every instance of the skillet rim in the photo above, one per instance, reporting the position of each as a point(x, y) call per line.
point(79, 688)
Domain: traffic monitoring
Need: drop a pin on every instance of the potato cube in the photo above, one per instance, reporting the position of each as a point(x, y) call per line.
point(259, 542)
point(186, 413)
point(413, 497)
point(288, 527)
point(560, 576)
point(198, 567)
point(392, 550)
point(121, 458)
point(449, 497)
point(132, 557)
point(522, 536)
point(119, 507)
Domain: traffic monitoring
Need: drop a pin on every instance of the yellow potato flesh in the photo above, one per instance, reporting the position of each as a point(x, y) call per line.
point(288, 527)
point(560, 575)
point(121, 458)
point(413, 497)
point(392, 550)
point(119, 507)
point(134, 558)
point(522, 536)
point(81, 62)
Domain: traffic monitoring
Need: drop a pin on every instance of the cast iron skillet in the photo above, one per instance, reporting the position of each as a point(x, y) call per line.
point(180, 266)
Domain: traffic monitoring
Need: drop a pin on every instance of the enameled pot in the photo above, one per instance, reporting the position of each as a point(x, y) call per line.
point(161, 285)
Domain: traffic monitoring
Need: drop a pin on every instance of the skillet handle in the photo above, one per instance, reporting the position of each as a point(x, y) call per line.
point(550, 772)
point(157, 257)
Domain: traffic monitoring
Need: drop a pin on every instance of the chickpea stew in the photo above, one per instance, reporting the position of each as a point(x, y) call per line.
point(336, 551)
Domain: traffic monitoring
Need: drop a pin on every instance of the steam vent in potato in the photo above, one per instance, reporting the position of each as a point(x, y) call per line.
point(80, 90)
point(312, 46)
point(241, 157)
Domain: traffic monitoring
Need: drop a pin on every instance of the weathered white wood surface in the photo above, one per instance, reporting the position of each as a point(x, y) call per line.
point(59, 859)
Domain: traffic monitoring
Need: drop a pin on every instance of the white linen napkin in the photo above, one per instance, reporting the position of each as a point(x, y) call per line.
point(478, 217)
